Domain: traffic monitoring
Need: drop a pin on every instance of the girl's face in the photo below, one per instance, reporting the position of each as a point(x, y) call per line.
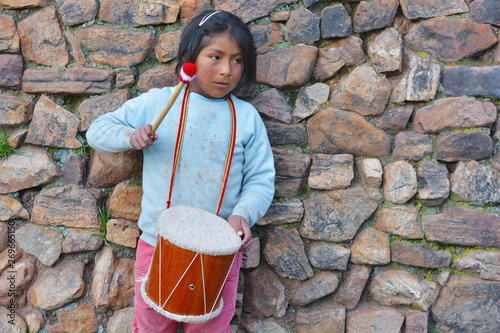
point(219, 67)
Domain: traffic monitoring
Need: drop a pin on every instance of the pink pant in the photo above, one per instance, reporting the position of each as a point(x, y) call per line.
point(147, 320)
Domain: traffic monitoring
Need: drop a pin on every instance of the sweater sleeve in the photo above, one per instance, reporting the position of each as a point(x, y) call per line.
point(111, 132)
point(258, 176)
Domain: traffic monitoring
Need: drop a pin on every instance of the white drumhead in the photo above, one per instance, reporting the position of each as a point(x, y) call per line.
point(197, 230)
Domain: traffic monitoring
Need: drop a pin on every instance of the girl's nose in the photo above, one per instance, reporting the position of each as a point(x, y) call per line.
point(225, 67)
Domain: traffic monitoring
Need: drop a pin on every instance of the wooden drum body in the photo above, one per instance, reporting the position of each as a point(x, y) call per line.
point(192, 259)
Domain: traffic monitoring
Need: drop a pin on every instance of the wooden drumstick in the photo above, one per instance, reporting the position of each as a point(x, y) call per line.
point(187, 74)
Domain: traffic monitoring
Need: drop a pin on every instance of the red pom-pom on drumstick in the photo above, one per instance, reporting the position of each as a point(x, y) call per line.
point(186, 75)
point(188, 72)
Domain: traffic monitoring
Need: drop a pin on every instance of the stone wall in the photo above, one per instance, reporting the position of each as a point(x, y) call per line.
point(383, 120)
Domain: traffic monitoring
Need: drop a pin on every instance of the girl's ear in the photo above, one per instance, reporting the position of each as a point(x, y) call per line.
point(181, 61)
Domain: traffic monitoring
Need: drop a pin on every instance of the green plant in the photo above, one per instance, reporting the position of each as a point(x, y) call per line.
point(84, 150)
point(5, 148)
point(104, 216)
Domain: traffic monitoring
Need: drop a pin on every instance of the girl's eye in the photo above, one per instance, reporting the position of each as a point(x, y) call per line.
point(238, 60)
point(215, 57)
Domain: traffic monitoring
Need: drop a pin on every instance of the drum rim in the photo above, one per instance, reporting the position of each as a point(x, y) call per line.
point(174, 316)
point(211, 243)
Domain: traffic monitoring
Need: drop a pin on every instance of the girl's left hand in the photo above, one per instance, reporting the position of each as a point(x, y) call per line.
point(243, 230)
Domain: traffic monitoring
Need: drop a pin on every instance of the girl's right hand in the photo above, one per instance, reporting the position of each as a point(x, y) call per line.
point(143, 137)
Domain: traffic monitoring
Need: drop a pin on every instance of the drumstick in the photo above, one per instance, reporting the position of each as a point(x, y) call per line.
point(187, 74)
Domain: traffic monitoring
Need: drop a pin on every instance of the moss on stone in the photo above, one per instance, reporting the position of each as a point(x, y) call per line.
point(150, 62)
point(291, 96)
point(162, 28)
point(326, 43)
point(291, 226)
point(72, 103)
point(261, 21)
point(351, 8)
point(319, 6)
point(281, 45)
point(18, 14)
point(386, 160)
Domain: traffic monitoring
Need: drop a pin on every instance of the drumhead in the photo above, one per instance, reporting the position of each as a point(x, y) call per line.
point(197, 230)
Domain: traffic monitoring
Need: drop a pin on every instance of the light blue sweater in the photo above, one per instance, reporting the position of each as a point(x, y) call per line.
point(250, 187)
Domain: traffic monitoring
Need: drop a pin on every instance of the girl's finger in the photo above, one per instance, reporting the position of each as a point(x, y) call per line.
point(246, 246)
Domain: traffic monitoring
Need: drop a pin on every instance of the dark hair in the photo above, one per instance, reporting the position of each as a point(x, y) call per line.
point(195, 38)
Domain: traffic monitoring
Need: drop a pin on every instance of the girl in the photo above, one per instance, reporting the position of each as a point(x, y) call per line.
point(222, 48)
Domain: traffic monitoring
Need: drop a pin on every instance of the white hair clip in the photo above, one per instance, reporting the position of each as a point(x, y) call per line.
point(205, 19)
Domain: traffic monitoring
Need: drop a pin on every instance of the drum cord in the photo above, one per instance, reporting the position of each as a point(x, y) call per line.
point(203, 280)
point(225, 279)
point(178, 147)
point(173, 290)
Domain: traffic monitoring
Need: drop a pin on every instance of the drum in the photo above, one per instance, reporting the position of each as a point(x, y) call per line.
point(193, 256)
